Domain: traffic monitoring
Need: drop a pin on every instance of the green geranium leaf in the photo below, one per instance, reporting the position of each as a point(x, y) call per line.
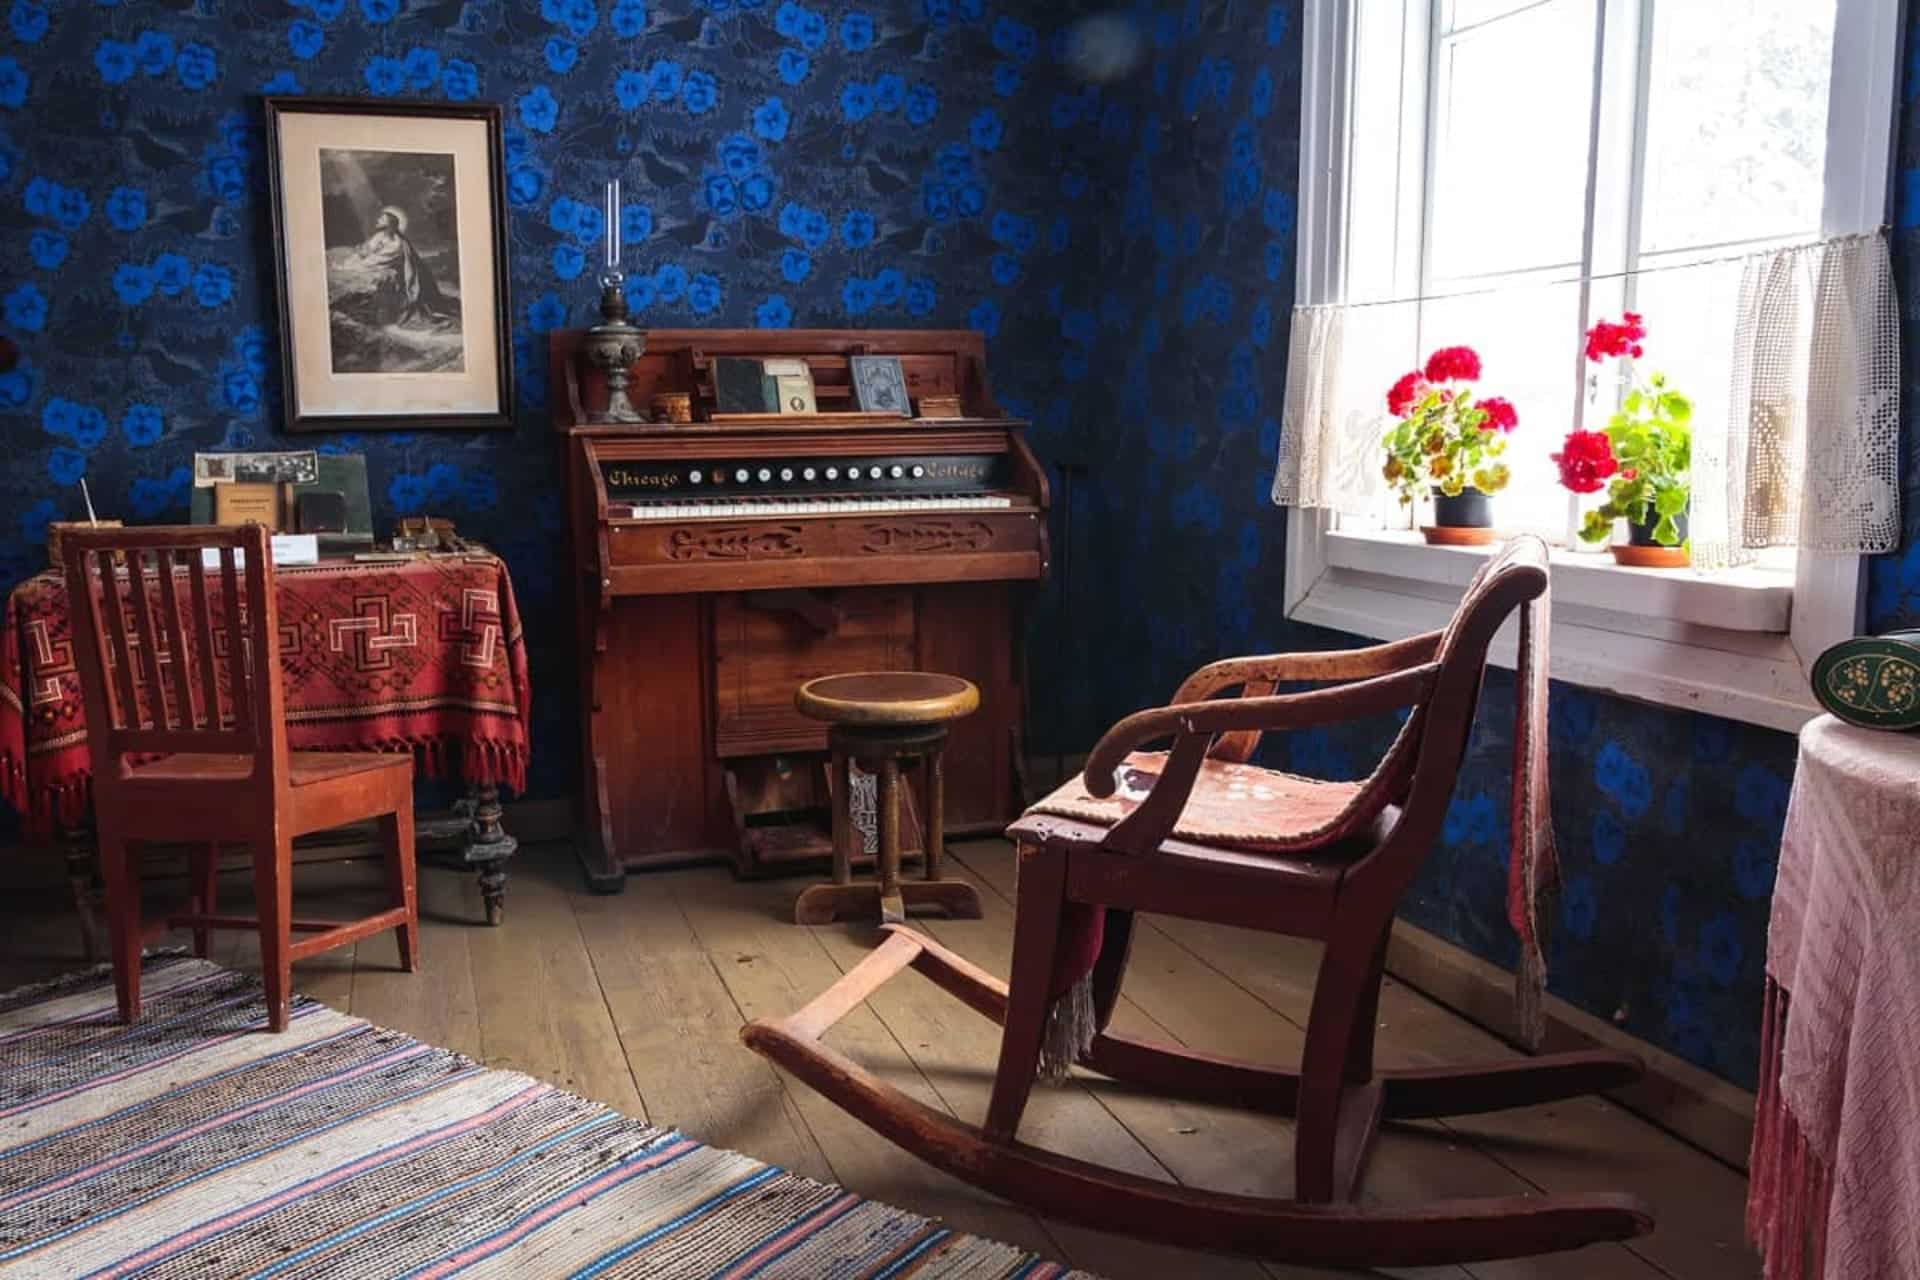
point(1671, 501)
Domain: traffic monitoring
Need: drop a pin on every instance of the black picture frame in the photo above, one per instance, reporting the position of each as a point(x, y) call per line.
point(298, 317)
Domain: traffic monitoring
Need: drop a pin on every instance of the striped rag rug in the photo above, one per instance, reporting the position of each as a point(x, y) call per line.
point(193, 1144)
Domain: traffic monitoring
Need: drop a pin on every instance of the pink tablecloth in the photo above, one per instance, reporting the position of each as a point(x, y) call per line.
point(1836, 1144)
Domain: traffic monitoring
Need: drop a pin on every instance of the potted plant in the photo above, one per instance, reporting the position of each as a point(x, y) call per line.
point(1447, 442)
point(1643, 458)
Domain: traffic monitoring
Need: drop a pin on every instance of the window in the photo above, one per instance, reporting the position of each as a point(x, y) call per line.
point(1523, 168)
point(1526, 144)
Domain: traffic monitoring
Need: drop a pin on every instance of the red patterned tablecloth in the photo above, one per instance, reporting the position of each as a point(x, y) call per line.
point(425, 656)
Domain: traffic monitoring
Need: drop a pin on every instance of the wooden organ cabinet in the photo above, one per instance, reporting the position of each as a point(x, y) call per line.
point(718, 565)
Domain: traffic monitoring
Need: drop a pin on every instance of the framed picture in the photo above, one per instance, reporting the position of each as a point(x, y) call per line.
point(390, 244)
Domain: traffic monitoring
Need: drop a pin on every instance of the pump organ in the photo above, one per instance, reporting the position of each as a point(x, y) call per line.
point(719, 565)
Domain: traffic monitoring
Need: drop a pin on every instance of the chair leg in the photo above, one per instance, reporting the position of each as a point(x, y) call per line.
point(1116, 944)
point(1339, 1000)
point(273, 898)
point(122, 887)
point(396, 839)
point(1039, 901)
point(1366, 1018)
point(203, 866)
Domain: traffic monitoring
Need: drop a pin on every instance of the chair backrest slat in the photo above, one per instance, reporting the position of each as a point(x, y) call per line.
point(136, 704)
point(203, 633)
point(181, 653)
point(239, 684)
point(142, 603)
point(119, 646)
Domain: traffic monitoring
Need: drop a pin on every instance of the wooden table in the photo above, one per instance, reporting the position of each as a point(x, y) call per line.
point(424, 655)
point(1835, 1170)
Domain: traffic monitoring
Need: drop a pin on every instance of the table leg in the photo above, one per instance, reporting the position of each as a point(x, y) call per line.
point(893, 908)
point(473, 838)
point(488, 847)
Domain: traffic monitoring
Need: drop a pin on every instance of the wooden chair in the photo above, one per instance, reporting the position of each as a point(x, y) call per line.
point(1336, 873)
point(187, 728)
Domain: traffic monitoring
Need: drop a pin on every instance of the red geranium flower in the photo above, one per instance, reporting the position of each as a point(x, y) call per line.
point(1453, 364)
point(1586, 460)
point(1404, 394)
point(1607, 339)
point(1501, 415)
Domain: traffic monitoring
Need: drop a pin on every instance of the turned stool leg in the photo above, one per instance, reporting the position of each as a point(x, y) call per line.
point(936, 826)
point(842, 818)
point(893, 907)
point(825, 903)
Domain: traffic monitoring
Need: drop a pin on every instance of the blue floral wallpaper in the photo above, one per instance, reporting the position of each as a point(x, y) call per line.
point(893, 162)
point(1108, 194)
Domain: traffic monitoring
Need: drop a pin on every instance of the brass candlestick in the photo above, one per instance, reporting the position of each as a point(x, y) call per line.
point(613, 345)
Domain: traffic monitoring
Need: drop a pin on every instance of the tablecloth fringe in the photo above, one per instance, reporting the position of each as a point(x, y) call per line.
point(1788, 1184)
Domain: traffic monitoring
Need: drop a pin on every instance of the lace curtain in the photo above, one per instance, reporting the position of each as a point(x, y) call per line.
point(1810, 451)
point(1791, 357)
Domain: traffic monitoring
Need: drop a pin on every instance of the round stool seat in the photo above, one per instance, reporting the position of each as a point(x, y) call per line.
point(887, 698)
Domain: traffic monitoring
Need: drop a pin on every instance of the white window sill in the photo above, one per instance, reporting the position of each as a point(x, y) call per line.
point(1731, 644)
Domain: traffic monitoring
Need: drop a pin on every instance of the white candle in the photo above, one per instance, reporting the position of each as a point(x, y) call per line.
point(613, 224)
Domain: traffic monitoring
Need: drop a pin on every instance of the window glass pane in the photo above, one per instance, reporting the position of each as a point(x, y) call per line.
point(1382, 261)
point(1467, 13)
point(1736, 121)
point(1510, 147)
point(1526, 340)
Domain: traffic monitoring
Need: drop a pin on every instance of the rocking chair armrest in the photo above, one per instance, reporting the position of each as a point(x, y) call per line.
point(1333, 664)
point(1196, 723)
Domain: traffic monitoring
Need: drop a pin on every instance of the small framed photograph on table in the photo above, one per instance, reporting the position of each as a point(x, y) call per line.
point(389, 229)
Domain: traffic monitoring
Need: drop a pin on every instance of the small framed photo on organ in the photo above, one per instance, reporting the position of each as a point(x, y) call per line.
point(390, 248)
point(879, 385)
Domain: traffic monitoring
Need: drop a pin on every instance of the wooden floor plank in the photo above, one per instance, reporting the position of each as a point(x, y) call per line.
point(771, 967)
point(638, 998)
point(540, 1005)
point(438, 1002)
point(680, 1029)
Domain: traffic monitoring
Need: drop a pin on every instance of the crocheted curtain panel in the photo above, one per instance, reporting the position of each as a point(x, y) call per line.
point(1791, 357)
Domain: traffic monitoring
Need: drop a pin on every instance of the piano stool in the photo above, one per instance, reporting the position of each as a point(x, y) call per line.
point(882, 720)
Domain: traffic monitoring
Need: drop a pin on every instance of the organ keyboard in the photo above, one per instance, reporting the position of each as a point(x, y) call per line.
point(719, 564)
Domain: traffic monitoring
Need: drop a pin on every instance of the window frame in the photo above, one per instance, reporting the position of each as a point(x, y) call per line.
point(1633, 632)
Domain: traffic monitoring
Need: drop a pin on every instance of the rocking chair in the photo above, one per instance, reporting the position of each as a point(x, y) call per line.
point(1197, 832)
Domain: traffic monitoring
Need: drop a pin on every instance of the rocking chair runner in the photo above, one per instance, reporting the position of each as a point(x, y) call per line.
point(1198, 833)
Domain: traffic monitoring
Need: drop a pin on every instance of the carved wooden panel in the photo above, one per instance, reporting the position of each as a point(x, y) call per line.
point(736, 542)
point(926, 537)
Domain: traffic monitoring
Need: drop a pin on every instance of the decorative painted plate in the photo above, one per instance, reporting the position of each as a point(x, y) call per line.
point(1872, 681)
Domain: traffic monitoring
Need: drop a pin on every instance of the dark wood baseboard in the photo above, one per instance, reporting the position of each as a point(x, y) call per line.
point(1681, 1098)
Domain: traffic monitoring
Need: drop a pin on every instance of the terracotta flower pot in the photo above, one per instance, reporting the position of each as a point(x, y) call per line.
point(1640, 551)
point(1463, 520)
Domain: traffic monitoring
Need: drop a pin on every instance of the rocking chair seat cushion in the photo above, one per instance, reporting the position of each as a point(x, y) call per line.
point(1233, 806)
